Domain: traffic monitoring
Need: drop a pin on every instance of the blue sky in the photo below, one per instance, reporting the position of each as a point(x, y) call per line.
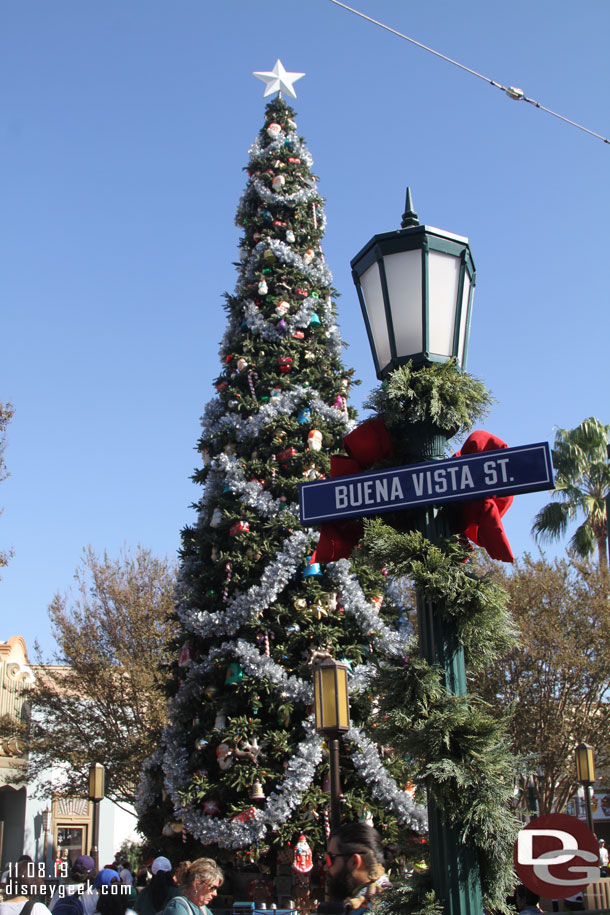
point(124, 128)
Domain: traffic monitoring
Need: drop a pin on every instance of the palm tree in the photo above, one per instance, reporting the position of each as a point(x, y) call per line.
point(582, 482)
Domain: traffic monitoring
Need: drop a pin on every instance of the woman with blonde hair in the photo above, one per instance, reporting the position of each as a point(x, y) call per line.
point(198, 882)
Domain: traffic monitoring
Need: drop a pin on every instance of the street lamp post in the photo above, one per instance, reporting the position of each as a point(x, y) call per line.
point(415, 286)
point(97, 775)
point(331, 705)
point(585, 768)
point(47, 820)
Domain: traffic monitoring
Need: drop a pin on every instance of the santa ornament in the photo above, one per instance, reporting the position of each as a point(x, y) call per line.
point(302, 861)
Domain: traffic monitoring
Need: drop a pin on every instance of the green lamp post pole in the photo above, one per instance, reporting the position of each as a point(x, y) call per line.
point(415, 287)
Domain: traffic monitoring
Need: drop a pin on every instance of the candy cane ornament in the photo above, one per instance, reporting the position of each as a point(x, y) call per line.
point(225, 593)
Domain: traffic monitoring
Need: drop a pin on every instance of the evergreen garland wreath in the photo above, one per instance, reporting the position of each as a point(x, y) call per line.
point(459, 751)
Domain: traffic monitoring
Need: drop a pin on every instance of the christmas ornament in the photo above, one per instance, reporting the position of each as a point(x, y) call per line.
point(276, 391)
point(220, 721)
point(268, 256)
point(285, 363)
point(318, 611)
point(242, 364)
point(312, 569)
point(225, 593)
point(278, 80)
point(224, 756)
point(284, 456)
point(299, 335)
point(234, 674)
point(251, 377)
point(186, 655)
point(304, 415)
point(239, 527)
point(315, 320)
point(314, 440)
point(249, 750)
point(201, 743)
point(282, 308)
point(206, 457)
point(216, 519)
point(290, 236)
point(278, 182)
point(230, 448)
point(273, 130)
point(308, 256)
point(263, 289)
point(210, 691)
point(302, 861)
point(246, 816)
point(256, 792)
point(211, 808)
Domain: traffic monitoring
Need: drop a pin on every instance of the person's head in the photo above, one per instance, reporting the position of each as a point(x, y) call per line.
point(110, 901)
point(354, 858)
point(199, 880)
point(161, 882)
point(601, 842)
point(83, 869)
point(524, 896)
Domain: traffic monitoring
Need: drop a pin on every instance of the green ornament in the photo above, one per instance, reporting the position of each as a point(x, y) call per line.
point(314, 295)
point(265, 399)
point(234, 674)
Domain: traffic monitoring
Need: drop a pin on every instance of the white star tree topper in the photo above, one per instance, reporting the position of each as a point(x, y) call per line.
point(278, 80)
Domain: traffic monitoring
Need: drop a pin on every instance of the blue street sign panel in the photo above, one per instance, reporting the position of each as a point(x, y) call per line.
point(509, 471)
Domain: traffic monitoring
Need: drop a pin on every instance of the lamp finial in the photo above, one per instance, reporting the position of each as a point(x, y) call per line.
point(409, 217)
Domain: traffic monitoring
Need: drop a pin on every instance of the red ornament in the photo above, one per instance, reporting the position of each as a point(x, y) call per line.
point(286, 454)
point(285, 363)
point(303, 857)
point(299, 335)
point(238, 528)
point(246, 816)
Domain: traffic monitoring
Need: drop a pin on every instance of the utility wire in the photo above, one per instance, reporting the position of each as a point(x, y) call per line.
point(511, 91)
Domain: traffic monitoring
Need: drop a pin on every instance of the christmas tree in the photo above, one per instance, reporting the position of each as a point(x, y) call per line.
point(244, 770)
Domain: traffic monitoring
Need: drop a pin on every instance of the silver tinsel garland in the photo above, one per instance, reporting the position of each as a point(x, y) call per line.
point(387, 640)
point(383, 787)
point(279, 804)
point(249, 605)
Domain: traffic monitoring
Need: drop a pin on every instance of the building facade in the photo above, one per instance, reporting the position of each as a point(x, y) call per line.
point(47, 828)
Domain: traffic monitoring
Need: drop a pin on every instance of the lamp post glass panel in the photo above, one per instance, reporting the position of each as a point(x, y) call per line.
point(331, 704)
point(96, 794)
point(415, 286)
point(585, 768)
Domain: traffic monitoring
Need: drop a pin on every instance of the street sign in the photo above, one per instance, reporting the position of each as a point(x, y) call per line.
point(507, 471)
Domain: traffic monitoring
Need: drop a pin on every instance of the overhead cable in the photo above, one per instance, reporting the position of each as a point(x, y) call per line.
point(511, 91)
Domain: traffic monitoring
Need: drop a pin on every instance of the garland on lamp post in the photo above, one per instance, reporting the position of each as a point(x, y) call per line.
point(459, 750)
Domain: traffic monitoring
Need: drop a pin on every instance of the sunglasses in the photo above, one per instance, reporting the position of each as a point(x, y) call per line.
point(331, 855)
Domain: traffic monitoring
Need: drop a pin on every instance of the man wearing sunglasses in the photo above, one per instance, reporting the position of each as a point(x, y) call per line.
point(355, 869)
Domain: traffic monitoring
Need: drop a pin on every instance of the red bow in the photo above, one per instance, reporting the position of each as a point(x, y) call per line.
point(369, 443)
point(480, 520)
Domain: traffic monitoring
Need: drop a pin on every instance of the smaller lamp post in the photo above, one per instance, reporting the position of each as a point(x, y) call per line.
point(47, 820)
point(331, 704)
point(585, 768)
point(97, 775)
